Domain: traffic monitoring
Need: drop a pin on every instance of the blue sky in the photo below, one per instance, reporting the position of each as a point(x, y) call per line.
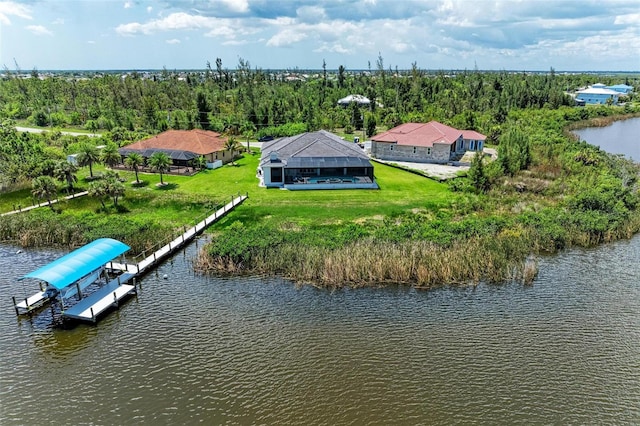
point(435, 34)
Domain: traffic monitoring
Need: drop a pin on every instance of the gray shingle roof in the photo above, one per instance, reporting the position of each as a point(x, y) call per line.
point(314, 149)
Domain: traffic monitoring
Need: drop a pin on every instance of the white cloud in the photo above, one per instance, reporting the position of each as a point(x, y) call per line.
point(286, 38)
point(221, 31)
point(333, 48)
point(58, 21)
point(128, 5)
point(174, 21)
point(241, 6)
point(173, 41)
point(311, 14)
point(38, 30)
point(501, 33)
point(9, 8)
point(630, 19)
point(91, 42)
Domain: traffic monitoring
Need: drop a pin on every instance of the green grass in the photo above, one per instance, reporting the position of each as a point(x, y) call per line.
point(188, 198)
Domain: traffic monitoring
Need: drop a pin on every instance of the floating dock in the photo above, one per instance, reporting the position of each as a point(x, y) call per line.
point(31, 303)
point(69, 275)
point(89, 308)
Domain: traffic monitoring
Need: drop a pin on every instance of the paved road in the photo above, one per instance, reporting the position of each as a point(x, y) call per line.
point(36, 130)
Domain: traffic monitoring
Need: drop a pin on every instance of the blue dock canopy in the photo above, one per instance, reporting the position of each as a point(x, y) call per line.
point(75, 265)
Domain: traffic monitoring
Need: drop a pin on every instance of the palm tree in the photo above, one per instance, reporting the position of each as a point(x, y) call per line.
point(248, 130)
point(200, 162)
point(114, 189)
point(65, 171)
point(232, 146)
point(110, 155)
point(44, 187)
point(160, 162)
point(134, 160)
point(87, 156)
point(98, 189)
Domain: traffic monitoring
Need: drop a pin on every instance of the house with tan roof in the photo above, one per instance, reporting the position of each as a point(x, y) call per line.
point(183, 146)
point(431, 142)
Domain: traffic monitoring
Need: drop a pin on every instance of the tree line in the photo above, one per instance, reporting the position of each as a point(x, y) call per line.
point(253, 102)
point(250, 102)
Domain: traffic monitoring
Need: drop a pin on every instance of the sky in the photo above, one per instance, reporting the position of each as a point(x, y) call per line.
point(568, 35)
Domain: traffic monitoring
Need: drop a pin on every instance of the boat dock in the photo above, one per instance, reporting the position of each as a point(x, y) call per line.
point(173, 245)
point(67, 276)
point(31, 303)
point(108, 296)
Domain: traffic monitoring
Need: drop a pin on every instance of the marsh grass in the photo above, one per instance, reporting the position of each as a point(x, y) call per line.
point(368, 262)
point(400, 252)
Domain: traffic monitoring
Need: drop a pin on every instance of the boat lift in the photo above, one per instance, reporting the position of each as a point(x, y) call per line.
point(68, 276)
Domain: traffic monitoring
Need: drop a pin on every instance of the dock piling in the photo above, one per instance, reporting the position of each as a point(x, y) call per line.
point(15, 305)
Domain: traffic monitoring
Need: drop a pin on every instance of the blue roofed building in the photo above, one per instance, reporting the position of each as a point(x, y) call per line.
point(598, 94)
point(622, 88)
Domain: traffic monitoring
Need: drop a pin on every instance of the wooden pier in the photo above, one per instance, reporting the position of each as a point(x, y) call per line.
point(109, 295)
point(168, 249)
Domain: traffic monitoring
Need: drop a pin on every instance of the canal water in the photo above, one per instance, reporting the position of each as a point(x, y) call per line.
point(620, 137)
point(192, 349)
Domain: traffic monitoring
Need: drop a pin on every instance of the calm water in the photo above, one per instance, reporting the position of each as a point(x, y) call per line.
point(191, 349)
point(621, 137)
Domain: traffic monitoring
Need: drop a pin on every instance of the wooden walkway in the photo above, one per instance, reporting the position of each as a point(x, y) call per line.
point(168, 249)
point(90, 307)
point(26, 209)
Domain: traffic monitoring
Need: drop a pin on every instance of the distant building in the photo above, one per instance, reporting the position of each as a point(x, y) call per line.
point(598, 94)
point(622, 88)
point(358, 99)
point(431, 142)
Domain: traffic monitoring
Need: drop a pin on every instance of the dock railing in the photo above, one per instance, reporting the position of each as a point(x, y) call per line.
point(199, 226)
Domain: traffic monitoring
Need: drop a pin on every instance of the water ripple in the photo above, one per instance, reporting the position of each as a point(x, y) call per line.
point(193, 349)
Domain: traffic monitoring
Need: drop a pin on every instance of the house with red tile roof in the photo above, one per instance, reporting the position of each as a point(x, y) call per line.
point(431, 142)
point(183, 146)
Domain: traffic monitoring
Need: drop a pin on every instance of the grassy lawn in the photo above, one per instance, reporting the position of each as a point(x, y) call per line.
point(399, 192)
point(188, 198)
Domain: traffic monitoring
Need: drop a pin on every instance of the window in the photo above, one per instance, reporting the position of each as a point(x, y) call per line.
point(390, 147)
point(472, 145)
point(414, 149)
point(428, 151)
point(276, 174)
